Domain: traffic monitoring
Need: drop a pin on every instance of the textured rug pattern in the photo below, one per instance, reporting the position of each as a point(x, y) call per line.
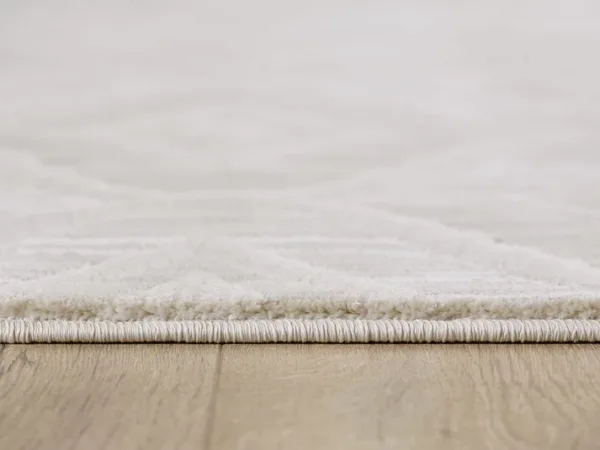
point(296, 161)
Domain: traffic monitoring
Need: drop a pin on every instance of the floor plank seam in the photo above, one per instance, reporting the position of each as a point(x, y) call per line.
point(210, 420)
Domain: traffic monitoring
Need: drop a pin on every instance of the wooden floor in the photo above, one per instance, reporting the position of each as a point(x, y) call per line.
point(244, 397)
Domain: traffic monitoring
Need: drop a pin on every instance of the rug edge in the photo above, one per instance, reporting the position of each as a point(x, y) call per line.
point(300, 331)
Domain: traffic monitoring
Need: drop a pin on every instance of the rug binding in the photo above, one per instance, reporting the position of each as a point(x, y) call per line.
point(300, 331)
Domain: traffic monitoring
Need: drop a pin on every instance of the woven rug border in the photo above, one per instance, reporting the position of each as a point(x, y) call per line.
point(300, 330)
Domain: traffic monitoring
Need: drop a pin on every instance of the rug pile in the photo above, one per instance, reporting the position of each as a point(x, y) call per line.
point(299, 171)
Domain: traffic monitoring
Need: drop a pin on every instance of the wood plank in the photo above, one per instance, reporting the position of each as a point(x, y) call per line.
point(106, 396)
point(294, 396)
point(408, 396)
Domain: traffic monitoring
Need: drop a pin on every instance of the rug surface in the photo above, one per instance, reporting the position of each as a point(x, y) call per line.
point(331, 171)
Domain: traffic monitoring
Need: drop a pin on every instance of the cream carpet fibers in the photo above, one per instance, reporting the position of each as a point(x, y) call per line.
point(333, 171)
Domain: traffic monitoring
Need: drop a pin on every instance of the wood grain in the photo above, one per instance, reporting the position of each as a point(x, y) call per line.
point(409, 397)
point(105, 396)
point(299, 396)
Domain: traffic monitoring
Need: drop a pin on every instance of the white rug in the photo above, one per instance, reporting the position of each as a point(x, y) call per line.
point(334, 171)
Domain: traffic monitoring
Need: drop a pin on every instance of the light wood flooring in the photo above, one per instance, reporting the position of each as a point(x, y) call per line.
point(263, 397)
